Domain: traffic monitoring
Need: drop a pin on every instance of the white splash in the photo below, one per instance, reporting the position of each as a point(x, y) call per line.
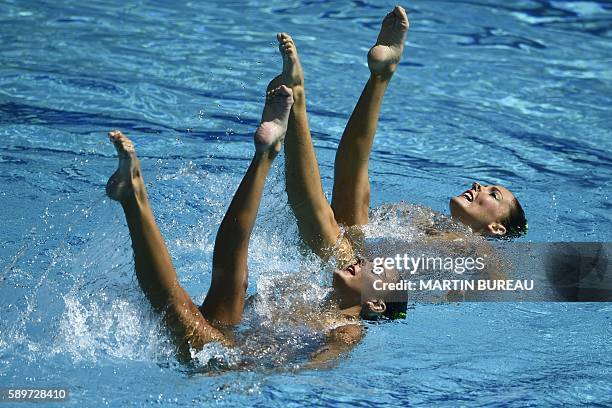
point(114, 327)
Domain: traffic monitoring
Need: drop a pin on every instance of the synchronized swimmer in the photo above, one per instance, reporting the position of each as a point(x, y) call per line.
point(486, 209)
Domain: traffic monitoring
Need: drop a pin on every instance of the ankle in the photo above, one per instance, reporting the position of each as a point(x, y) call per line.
point(299, 95)
point(266, 157)
point(135, 195)
point(380, 77)
point(298, 90)
point(132, 204)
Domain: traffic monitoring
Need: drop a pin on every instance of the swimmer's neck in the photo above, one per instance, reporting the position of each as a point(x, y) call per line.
point(352, 312)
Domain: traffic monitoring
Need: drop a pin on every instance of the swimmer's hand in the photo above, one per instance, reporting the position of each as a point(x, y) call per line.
point(337, 342)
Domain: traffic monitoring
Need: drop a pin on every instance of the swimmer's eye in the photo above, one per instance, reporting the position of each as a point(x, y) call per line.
point(495, 195)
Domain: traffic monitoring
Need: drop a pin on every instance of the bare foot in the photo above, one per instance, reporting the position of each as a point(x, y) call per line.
point(271, 132)
point(124, 183)
point(386, 53)
point(292, 74)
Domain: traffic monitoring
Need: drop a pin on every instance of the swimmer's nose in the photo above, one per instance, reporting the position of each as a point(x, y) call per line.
point(476, 186)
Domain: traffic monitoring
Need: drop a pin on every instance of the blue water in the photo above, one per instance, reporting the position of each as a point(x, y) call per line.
point(516, 93)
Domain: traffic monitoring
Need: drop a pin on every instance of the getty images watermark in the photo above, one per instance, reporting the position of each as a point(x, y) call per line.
point(570, 271)
point(407, 264)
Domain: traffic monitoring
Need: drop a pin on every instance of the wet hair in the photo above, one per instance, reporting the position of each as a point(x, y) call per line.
point(396, 306)
point(515, 223)
point(396, 310)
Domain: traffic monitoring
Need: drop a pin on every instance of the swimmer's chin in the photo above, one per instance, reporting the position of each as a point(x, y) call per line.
point(458, 208)
point(337, 277)
point(455, 205)
point(340, 280)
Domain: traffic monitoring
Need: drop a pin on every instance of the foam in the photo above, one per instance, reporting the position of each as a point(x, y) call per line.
point(107, 325)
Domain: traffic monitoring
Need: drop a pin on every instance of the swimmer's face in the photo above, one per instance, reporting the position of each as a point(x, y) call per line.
point(354, 285)
point(348, 282)
point(483, 208)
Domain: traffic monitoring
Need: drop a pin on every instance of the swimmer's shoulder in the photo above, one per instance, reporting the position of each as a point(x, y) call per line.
point(348, 334)
point(338, 341)
point(432, 235)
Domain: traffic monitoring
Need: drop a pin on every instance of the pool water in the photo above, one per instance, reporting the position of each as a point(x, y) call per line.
point(516, 93)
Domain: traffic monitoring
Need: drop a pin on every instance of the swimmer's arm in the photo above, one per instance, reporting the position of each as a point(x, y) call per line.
point(338, 341)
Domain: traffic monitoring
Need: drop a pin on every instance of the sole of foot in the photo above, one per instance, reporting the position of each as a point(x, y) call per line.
point(271, 131)
point(384, 56)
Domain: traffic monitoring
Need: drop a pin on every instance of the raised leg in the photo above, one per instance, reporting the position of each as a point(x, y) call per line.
point(351, 193)
point(225, 300)
point(315, 218)
point(154, 269)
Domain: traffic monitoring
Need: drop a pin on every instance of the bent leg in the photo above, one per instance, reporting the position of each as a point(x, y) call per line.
point(225, 300)
point(351, 193)
point(315, 218)
point(154, 270)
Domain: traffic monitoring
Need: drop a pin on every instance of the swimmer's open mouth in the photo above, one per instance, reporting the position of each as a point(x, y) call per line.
point(468, 195)
point(351, 270)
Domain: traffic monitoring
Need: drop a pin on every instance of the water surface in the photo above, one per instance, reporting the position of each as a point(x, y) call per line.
point(516, 93)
